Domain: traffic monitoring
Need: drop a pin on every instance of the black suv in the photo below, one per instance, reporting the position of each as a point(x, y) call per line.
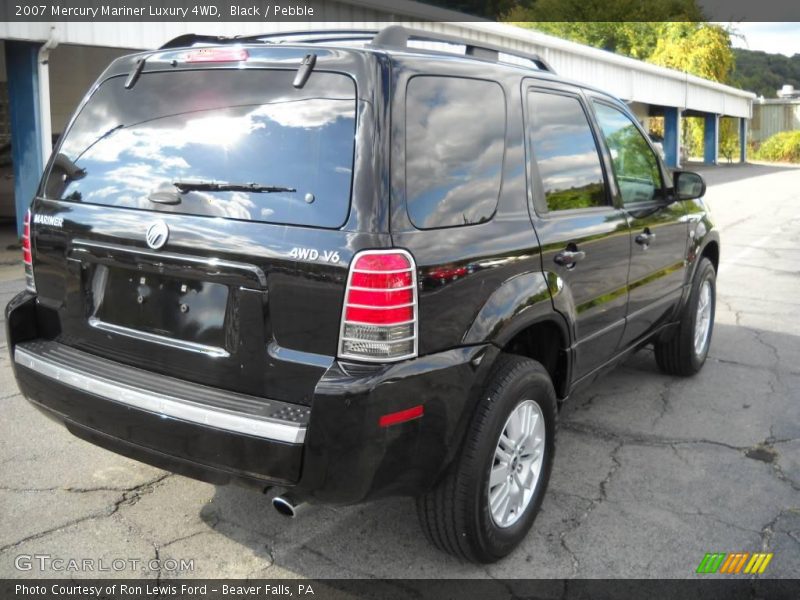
point(352, 266)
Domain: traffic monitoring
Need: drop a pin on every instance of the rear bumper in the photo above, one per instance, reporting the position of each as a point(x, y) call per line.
point(135, 413)
point(334, 452)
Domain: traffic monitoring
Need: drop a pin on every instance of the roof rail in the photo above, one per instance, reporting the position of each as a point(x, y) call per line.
point(304, 36)
point(396, 37)
point(319, 36)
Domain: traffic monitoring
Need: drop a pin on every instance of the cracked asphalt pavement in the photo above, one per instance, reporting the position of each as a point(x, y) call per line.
point(651, 471)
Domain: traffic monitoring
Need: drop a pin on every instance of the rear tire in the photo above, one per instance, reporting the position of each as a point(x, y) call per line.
point(457, 516)
point(686, 351)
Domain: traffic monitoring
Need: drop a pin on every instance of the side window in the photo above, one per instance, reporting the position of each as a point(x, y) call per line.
point(635, 165)
point(455, 141)
point(565, 152)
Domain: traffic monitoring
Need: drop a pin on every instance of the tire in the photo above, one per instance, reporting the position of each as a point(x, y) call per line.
point(679, 355)
point(456, 516)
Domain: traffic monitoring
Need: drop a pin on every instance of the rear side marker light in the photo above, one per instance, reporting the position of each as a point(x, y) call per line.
point(27, 253)
point(402, 416)
point(207, 55)
point(380, 314)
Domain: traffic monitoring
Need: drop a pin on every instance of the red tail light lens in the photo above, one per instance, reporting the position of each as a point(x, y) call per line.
point(379, 320)
point(27, 254)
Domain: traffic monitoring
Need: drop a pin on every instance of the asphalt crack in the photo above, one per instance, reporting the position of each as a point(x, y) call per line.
point(181, 538)
point(711, 517)
point(763, 452)
point(128, 497)
point(326, 558)
point(107, 512)
point(639, 438)
point(132, 495)
point(772, 348)
point(664, 396)
point(768, 531)
point(593, 504)
point(158, 563)
point(736, 363)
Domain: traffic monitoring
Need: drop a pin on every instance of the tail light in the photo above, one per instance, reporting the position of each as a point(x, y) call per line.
point(379, 318)
point(27, 254)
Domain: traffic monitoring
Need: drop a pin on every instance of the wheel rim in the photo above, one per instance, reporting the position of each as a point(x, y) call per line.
point(702, 322)
point(517, 464)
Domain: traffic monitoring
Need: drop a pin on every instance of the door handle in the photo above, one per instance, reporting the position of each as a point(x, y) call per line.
point(568, 258)
point(645, 238)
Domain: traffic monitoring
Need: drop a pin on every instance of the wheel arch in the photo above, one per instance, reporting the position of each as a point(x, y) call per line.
point(711, 252)
point(519, 318)
point(706, 244)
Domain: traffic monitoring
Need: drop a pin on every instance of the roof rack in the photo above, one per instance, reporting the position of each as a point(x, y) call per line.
point(394, 37)
point(305, 36)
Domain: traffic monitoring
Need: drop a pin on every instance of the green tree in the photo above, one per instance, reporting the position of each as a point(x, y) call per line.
point(702, 49)
point(628, 27)
point(588, 11)
point(631, 39)
point(668, 33)
point(781, 147)
point(765, 73)
point(728, 138)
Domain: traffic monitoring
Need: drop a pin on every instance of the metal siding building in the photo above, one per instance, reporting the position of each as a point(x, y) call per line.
point(773, 116)
point(630, 79)
point(70, 55)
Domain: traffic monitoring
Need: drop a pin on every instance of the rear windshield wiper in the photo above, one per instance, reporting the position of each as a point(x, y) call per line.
point(213, 186)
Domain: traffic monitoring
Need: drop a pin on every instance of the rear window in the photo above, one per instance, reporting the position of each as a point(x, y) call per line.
point(129, 148)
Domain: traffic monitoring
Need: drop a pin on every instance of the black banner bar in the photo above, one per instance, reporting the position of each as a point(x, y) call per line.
point(288, 11)
point(390, 589)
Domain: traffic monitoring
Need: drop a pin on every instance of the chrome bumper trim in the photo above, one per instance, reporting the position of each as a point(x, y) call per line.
point(161, 404)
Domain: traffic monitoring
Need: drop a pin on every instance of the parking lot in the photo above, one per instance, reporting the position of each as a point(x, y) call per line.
point(651, 471)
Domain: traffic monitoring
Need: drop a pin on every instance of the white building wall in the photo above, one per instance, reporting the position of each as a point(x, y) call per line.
point(630, 79)
point(72, 70)
point(627, 78)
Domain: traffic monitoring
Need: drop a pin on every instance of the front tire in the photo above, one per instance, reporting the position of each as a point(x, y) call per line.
point(686, 351)
point(490, 496)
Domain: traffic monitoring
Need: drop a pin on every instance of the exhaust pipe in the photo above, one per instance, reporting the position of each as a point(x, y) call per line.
point(287, 505)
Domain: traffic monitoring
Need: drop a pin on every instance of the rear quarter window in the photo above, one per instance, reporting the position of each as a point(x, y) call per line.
point(455, 143)
point(129, 148)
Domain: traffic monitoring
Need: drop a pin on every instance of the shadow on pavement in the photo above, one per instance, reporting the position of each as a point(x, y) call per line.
point(728, 173)
point(649, 467)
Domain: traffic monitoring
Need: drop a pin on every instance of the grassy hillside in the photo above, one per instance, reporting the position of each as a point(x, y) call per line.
point(764, 73)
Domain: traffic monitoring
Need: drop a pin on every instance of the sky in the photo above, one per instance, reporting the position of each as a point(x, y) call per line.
point(775, 38)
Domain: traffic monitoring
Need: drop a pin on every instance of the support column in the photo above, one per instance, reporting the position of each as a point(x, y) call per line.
point(672, 136)
point(743, 140)
point(26, 133)
point(711, 139)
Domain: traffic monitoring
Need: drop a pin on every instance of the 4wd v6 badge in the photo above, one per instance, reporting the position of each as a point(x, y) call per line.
point(330, 256)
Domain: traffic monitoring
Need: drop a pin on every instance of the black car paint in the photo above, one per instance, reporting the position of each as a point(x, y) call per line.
point(480, 286)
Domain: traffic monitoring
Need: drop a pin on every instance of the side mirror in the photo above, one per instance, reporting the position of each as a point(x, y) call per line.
point(688, 185)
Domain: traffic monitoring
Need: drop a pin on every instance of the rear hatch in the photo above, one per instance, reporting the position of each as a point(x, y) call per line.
point(198, 223)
